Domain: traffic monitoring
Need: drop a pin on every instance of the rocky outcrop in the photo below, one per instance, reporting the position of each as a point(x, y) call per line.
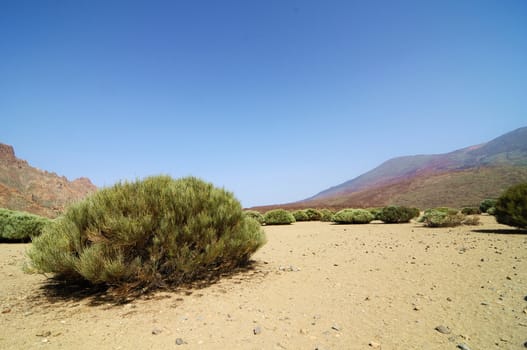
point(26, 188)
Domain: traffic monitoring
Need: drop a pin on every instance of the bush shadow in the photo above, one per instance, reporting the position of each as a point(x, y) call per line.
point(504, 231)
point(60, 291)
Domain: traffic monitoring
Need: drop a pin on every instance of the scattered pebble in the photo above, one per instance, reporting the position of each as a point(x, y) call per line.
point(443, 329)
point(463, 346)
point(156, 331)
point(335, 328)
point(257, 330)
point(44, 334)
point(374, 345)
point(289, 268)
point(180, 341)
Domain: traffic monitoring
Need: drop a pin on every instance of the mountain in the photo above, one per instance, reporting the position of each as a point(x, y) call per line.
point(460, 178)
point(25, 188)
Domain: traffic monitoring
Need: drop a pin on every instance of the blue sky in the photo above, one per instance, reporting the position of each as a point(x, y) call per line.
point(274, 100)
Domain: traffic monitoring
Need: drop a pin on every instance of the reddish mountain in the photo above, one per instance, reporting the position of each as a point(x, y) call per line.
point(25, 188)
point(461, 178)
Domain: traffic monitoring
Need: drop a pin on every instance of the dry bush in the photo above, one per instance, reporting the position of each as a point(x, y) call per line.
point(148, 233)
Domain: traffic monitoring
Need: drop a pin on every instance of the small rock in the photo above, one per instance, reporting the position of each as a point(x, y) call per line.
point(335, 328)
point(257, 330)
point(45, 340)
point(463, 346)
point(44, 334)
point(156, 331)
point(448, 299)
point(180, 341)
point(6, 310)
point(374, 345)
point(303, 331)
point(443, 329)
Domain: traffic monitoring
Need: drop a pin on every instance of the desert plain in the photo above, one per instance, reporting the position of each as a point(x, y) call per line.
point(314, 285)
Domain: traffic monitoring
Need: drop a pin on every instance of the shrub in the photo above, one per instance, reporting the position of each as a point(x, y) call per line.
point(491, 211)
point(375, 212)
point(470, 211)
point(313, 214)
point(486, 204)
point(300, 215)
point(326, 215)
point(253, 214)
point(395, 214)
point(511, 207)
point(442, 217)
point(353, 216)
point(278, 217)
point(148, 233)
point(20, 226)
point(472, 220)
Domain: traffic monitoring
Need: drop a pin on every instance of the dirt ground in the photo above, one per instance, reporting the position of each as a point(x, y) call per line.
point(312, 286)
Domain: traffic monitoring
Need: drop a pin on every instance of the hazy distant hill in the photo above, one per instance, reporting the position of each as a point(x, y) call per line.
point(23, 187)
point(460, 178)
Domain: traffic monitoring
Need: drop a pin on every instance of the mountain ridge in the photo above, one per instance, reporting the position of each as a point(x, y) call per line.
point(26, 188)
point(427, 180)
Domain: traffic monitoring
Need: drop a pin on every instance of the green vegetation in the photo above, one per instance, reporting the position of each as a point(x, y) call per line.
point(511, 207)
point(353, 216)
point(278, 217)
point(148, 233)
point(300, 215)
point(486, 204)
point(20, 226)
point(395, 214)
point(470, 211)
point(313, 214)
point(442, 217)
point(326, 215)
point(255, 215)
point(375, 212)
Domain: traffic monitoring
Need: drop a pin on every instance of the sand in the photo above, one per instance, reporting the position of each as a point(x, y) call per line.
point(313, 286)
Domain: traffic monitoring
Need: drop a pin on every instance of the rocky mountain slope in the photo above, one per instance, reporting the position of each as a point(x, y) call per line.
point(25, 188)
point(459, 178)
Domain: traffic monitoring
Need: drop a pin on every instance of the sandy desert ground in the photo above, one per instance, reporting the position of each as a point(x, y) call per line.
point(313, 286)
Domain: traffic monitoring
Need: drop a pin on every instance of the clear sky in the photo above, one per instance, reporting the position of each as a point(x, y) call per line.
point(274, 100)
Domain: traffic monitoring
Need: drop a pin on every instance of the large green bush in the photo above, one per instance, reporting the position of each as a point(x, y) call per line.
point(442, 217)
point(486, 204)
point(353, 216)
point(300, 215)
point(326, 215)
point(395, 214)
point(313, 214)
point(278, 217)
point(148, 233)
point(256, 215)
point(511, 207)
point(20, 226)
